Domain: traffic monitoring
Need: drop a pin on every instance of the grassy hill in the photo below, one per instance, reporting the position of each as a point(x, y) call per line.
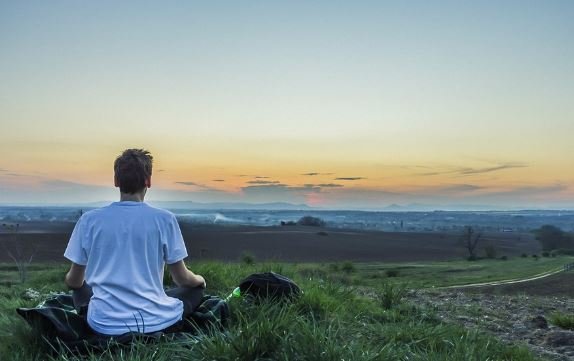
point(347, 312)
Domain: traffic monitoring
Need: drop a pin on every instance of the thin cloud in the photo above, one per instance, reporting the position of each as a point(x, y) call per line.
point(316, 173)
point(54, 191)
point(11, 174)
point(198, 185)
point(190, 184)
point(285, 191)
point(267, 186)
point(57, 184)
point(263, 182)
point(350, 178)
point(324, 185)
point(461, 188)
point(469, 171)
point(532, 190)
point(254, 176)
point(404, 166)
point(279, 193)
point(465, 171)
point(218, 180)
point(281, 186)
point(428, 174)
point(63, 183)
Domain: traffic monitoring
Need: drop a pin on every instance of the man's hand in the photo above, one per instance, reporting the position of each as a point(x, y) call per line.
point(184, 277)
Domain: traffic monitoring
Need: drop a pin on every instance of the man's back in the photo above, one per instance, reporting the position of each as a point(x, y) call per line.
point(124, 247)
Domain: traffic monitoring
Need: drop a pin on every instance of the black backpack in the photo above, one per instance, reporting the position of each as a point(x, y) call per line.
point(269, 285)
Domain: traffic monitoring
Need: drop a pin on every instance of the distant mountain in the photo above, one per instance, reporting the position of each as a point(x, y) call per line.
point(394, 208)
point(229, 205)
point(421, 207)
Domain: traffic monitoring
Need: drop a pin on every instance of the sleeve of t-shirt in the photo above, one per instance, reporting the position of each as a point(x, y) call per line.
point(173, 247)
point(75, 251)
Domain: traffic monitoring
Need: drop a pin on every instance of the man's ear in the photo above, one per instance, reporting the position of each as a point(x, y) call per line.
point(116, 183)
point(148, 182)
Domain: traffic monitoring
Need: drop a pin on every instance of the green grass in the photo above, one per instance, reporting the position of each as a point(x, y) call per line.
point(449, 273)
point(562, 321)
point(392, 294)
point(348, 311)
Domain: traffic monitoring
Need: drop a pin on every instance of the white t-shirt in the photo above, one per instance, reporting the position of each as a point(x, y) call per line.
point(124, 247)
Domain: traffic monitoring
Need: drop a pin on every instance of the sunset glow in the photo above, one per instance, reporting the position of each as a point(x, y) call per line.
point(331, 104)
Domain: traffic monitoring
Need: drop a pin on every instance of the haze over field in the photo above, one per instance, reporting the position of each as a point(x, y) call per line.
point(329, 104)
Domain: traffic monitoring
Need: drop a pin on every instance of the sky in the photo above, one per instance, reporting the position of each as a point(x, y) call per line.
point(333, 104)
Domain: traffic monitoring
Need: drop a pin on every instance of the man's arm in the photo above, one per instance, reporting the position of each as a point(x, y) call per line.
point(184, 277)
point(75, 276)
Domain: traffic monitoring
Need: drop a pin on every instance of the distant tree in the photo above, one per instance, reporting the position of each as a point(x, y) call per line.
point(490, 251)
point(21, 253)
point(348, 267)
point(551, 237)
point(247, 258)
point(470, 238)
point(311, 221)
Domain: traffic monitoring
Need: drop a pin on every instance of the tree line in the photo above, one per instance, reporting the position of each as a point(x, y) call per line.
point(553, 238)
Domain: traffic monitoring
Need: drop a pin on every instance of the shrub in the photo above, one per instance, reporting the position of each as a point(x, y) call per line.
point(562, 321)
point(392, 294)
point(504, 258)
point(343, 279)
point(563, 252)
point(490, 251)
point(288, 223)
point(545, 254)
point(311, 221)
point(524, 255)
point(310, 271)
point(535, 256)
point(348, 267)
point(21, 253)
point(551, 237)
point(247, 258)
point(392, 273)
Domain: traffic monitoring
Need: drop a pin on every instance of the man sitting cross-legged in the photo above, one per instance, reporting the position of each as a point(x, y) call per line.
point(118, 254)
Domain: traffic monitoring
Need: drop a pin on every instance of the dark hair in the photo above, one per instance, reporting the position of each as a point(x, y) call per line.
point(131, 169)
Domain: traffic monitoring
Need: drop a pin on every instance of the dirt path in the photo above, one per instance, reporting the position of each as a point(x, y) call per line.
point(509, 281)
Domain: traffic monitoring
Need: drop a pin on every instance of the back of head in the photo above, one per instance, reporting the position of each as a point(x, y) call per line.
point(132, 169)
